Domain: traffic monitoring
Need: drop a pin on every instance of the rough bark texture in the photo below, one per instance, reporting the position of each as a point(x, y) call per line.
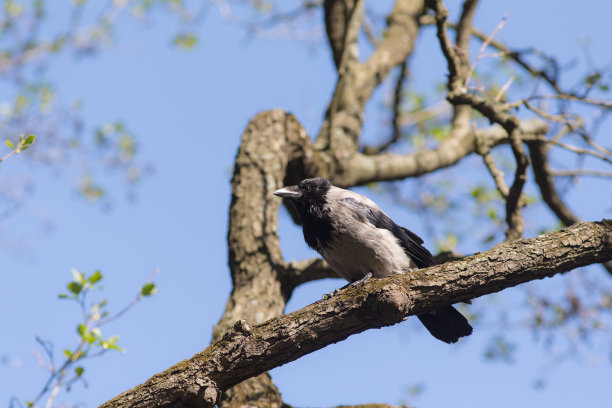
point(253, 335)
point(248, 350)
point(272, 142)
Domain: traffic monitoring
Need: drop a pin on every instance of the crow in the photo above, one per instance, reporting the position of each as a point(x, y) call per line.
point(358, 241)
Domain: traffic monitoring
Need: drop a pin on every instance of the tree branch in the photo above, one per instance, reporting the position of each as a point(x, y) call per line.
point(398, 97)
point(458, 95)
point(246, 351)
point(403, 27)
point(539, 161)
point(362, 168)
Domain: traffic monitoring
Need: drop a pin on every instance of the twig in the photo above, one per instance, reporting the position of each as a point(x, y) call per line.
point(580, 172)
point(483, 47)
point(133, 302)
point(397, 112)
point(580, 150)
point(574, 98)
point(503, 90)
point(498, 176)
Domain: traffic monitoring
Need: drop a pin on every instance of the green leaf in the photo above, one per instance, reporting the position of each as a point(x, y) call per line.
point(30, 139)
point(148, 290)
point(75, 287)
point(29, 403)
point(68, 353)
point(97, 276)
point(79, 371)
point(77, 276)
point(113, 339)
point(88, 337)
point(63, 296)
point(81, 329)
point(185, 41)
point(9, 144)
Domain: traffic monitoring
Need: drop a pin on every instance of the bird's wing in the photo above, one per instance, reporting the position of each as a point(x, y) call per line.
point(410, 242)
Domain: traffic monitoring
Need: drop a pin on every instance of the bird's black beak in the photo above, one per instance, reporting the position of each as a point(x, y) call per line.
point(288, 192)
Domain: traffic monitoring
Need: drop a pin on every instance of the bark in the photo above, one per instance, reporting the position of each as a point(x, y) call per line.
point(273, 145)
point(253, 335)
point(538, 152)
point(248, 350)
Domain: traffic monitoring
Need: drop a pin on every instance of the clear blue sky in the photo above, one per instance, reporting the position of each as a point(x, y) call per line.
point(189, 110)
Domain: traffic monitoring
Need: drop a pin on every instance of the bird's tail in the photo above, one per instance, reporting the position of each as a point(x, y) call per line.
point(446, 324)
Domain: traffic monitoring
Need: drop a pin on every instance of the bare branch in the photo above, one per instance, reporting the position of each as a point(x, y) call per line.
point(458, 95)
point(580, 172)
point(308, 270)
point(397, 45)
point(496, 173)
point(246, 351)
point(362, 169)
point(464, 28)
point(538, 151)
point(483, 47)
point(513, 200)
point(397, 111)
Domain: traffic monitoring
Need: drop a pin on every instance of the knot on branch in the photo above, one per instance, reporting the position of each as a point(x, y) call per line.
point(202, 393)
point(240, 329)
point(243, 327)
point(390, 304)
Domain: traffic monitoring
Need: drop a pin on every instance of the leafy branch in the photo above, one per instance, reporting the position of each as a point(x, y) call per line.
point(91, 342)
point(24, 143)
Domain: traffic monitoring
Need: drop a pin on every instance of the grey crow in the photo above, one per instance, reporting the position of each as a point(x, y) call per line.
point(358, 240)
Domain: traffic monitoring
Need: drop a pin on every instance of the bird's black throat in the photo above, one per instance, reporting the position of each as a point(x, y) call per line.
point(316, 223)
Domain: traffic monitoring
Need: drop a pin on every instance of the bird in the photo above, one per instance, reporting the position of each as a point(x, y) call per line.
point(358, 241)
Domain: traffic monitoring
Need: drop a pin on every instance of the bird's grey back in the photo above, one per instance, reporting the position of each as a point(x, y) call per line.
point(357, 246)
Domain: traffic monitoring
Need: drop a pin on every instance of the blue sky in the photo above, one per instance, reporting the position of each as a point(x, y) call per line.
point(188, 111)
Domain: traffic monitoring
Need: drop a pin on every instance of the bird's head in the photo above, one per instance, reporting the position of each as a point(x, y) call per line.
point(309, 190)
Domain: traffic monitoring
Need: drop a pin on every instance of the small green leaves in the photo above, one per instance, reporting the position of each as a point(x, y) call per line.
point(24, 143)
point(111, 344)
point(148, 290)
point(96, 277)
point(185, 41)
point(91, 342)
point(77, 276)
point(75, 288)
point(80, 282)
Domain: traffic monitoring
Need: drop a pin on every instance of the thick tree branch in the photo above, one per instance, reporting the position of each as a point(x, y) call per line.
point(246, 350)
point(307, 270)
point(362, 168)
point(464, 27)
point(340, 131)
point(538, 152)
point(403, 27)
point(337, 14)
point(273, 146)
